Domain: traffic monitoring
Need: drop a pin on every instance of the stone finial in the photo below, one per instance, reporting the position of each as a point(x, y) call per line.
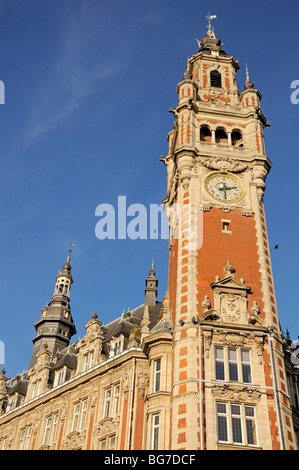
point(43, 355)
point(145, 322)
point(229, 269)
point(135, 336)
point(206, 303)
point(94, 326)
point(255, 308)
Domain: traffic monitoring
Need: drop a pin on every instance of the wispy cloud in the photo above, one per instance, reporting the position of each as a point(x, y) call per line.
point(71, 75)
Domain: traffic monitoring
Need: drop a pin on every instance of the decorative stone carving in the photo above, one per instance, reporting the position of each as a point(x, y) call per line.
point(259, 342)
point(74, 440)
point(63, 413)
point(126, 385)
point(207, 338)
point(230, 297)
point(231, 339)
point(230, 308)
point(236, 394)
point(105, 427)
point(93, 401)
point(173, 187)
point(224, 164)
point(229, 269)
point(142, 382)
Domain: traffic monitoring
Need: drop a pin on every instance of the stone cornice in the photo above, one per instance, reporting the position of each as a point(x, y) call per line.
point(74, 382)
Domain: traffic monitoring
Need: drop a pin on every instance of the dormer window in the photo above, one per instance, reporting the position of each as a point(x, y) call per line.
point(215, 79)
point(116, 346)
point(88, 361)
point(11, 404)
point(36, 389)
point(59, 378)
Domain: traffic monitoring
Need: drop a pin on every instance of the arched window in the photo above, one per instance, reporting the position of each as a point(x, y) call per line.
point(221, 136)
point(237, 139)
point(205, 134)
point(215, 79)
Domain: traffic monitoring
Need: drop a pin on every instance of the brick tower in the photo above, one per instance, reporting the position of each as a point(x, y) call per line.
point(228, 382)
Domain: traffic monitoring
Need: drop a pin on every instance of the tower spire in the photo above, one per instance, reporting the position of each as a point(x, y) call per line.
point(248, 83)
point(56, 326)
point(151, 284)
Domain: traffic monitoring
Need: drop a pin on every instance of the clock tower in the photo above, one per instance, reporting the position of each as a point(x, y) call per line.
point(228, 381)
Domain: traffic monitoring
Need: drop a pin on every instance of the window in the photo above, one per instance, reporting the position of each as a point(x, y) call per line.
point(246, 366)
point(237, 139)
point(25, 438)
point(36, 389)
point(116, 399)
point(219, 363)
point(107, 443)
point(233, 365)
point(83, 415)
point(11, 404)
point(59, 379)
point(111, 442)
point(250, 425)
point(75, 416)
point(205, 134)
point(3, 444)
point(222, 424)
point(157, 375)
point(226, 226)
point(107, 403)
point(103, 444)
point(111, 401)
point(79, 416)
point(88, 361)
point(155, 432)
point(50, 429)
point(221, 136)
point(215, 79)
point(236, 424)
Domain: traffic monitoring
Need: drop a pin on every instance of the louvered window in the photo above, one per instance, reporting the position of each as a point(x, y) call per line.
point(215, 79)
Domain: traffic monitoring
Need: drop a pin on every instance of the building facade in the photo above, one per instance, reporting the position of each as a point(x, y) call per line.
point(208, 367)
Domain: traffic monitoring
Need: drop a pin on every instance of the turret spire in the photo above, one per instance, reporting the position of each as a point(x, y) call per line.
point(151, 287)
point(56, 326)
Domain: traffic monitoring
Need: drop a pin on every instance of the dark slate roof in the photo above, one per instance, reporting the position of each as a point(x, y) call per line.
point(118, 325)
point(68, 359)
point(20, 387)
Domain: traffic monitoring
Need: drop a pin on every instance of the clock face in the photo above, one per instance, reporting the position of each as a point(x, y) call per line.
point(224, 187)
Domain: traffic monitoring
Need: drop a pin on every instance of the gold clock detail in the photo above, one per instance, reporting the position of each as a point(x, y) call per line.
point(224, 187)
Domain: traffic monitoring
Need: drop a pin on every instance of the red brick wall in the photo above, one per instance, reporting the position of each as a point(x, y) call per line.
point(238, 247)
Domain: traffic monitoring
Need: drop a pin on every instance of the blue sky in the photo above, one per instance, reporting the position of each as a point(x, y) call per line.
point(88, 86)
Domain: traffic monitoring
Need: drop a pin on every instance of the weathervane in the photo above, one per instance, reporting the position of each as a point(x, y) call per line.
point(247, 74)
point(70, 250)
point(209, 26)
